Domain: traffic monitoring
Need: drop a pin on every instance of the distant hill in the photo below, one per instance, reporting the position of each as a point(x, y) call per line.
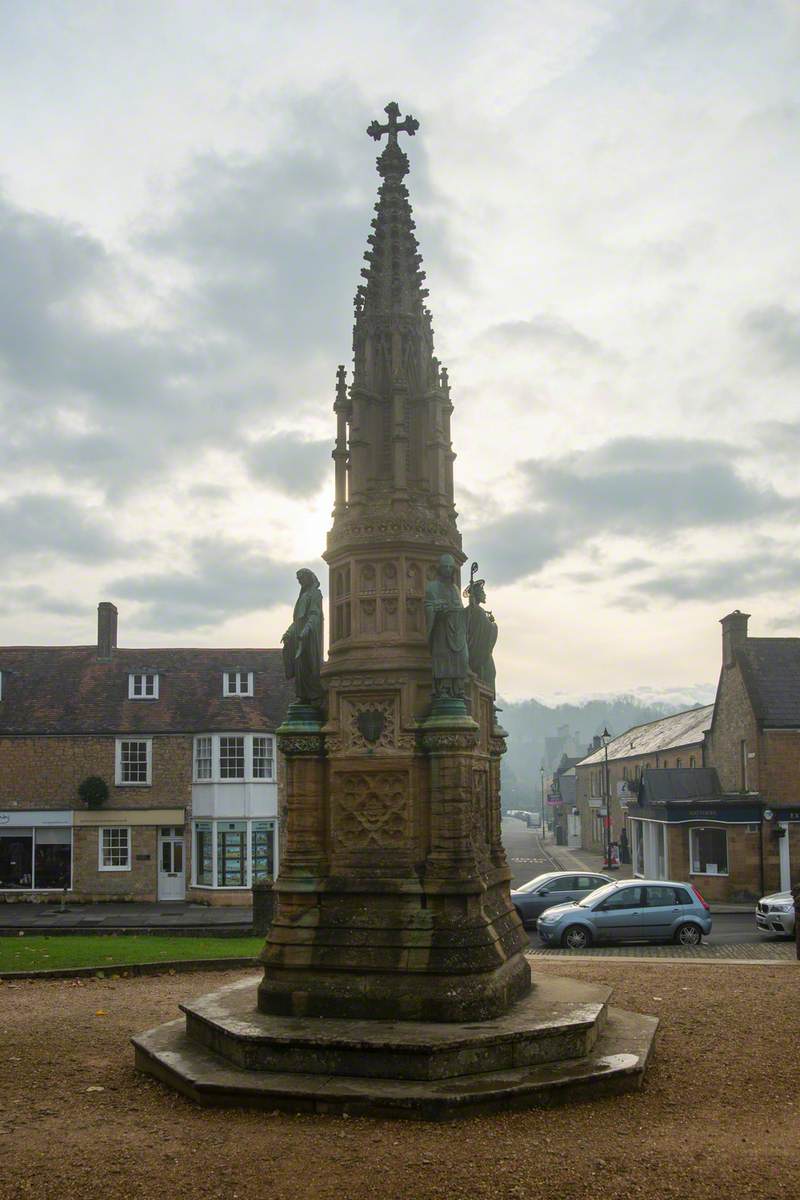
point(536, 735)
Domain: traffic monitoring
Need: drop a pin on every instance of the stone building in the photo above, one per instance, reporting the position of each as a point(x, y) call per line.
point(754, 739)
point(183, 743)
point(674, 741)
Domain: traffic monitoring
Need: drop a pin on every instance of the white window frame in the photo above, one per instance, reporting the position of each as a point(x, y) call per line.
point(104, 829)
point(118, 780)
point(243, 683)
point(215, 822)
point(693, 829)
point(249, 776)
point(196, 776)
point(143, 675)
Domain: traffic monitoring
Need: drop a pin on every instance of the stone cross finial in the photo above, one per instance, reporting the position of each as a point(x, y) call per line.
point(408, 125)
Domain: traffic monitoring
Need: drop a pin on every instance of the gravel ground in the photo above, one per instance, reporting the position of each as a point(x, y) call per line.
point(77, 1121)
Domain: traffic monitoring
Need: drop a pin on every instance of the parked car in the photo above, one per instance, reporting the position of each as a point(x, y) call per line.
point(554, 887)
point(629, 911)
point(775, 913)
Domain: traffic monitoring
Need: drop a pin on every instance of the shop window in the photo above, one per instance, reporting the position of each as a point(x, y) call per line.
point(53, 858)
point(115, 848)
point(204, 853)
point(33, 858)
point(263, 850)
point(708, 851)
point(133, 762)
point(234, 854)
point(231, 854)
point(16, 859)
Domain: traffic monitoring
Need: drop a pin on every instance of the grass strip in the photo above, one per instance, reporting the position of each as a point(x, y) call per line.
point(39, 952)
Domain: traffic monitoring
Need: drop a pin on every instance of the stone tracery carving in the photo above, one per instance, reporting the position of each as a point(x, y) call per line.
point(372, 811)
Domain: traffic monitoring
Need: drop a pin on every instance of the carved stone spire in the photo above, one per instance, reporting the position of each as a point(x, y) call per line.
point(398, 420)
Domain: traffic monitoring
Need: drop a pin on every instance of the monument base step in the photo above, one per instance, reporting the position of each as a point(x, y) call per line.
point(615, 1063)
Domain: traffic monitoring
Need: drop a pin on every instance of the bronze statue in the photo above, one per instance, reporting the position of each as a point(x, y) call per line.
point(481, 631)
point(302, 642)
point(447, 634)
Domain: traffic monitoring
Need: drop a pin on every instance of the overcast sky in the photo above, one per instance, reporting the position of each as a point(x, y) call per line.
point(607, 198)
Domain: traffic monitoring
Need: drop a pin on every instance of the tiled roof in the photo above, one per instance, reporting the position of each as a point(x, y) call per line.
point(771, 671)
point(65, 689)
point(668, 733)
point(680, 783)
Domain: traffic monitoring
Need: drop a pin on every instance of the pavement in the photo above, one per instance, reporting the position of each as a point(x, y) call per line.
point(108, 918)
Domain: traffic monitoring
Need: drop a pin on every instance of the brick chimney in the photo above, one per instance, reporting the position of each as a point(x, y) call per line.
point(734, 635)
point(106, 629)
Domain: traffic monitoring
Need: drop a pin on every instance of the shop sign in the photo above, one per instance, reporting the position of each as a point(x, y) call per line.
point(732, 813)
point(786, 814)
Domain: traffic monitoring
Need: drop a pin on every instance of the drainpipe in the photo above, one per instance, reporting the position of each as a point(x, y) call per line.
point(761, 847)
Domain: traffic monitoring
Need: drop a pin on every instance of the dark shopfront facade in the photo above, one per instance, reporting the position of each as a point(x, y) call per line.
point(728, 846)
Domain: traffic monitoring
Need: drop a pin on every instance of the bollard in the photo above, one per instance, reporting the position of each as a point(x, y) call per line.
point(263, 906)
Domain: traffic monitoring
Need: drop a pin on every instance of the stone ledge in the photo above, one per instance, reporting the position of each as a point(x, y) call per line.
point(616, 1064)
point(558, 1019)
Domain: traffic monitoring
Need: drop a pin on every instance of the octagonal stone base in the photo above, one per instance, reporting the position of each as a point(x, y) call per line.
point(561, 1042)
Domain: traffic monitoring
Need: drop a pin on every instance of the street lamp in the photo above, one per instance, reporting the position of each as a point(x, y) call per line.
point(541, 773)
point(605, 737)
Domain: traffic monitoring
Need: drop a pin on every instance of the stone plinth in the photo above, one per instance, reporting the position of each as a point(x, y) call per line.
point(561, 1042)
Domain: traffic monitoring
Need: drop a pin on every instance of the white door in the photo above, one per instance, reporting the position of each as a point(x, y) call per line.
point(171, 875)
point(786, 868)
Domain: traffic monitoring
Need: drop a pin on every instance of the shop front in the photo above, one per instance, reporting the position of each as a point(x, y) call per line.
point(35, 853)
point(721, 847)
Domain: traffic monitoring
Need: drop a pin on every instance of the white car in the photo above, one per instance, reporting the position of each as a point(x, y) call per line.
point(775, 913)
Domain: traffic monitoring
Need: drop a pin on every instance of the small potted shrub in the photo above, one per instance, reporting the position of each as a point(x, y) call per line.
point(93, 791)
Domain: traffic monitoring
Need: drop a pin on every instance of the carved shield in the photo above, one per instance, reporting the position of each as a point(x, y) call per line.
point(370, 724)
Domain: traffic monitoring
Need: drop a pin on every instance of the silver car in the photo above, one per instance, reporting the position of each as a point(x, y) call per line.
point(775, 913)
point(635, 910)
point(554, 887)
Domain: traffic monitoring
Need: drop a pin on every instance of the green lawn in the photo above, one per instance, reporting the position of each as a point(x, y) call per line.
point(38, 953)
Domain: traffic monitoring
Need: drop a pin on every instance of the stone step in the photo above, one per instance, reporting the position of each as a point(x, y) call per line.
point(557, 1019)
point(616, 1063)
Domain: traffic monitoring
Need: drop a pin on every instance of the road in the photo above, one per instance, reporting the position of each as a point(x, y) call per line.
point(527, 858)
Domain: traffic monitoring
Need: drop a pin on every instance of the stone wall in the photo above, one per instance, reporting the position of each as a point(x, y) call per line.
point(733, 723)
point(45, 772)
point(779, 767)
point(742, 884)
point(140, 883)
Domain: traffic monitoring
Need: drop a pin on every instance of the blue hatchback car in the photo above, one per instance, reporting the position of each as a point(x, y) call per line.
point(636, 910)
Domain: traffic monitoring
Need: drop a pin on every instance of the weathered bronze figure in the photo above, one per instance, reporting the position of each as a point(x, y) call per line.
point(302, 642)
point(481, 632)
point(445, 620)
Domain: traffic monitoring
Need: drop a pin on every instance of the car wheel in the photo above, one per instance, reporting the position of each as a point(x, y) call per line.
point(575, 937)
point(688, 935)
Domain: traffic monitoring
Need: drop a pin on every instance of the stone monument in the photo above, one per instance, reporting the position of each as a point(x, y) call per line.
point(394, 975)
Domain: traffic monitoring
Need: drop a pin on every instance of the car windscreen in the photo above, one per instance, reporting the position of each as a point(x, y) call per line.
point(533, 884)
point(597, 894)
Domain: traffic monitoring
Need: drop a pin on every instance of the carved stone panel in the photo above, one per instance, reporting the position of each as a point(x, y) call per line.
point(371, 811)
point(369, 723)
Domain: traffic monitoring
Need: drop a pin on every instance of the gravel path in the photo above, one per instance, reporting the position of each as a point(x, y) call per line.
point(77, 1121)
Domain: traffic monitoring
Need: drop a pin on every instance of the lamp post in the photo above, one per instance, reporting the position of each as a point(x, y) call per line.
point(605, 738)
point(541, 774)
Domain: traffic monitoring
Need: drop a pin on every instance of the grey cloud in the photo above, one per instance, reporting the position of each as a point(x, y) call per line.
point(648, 488)
point(290, 463)
point(32, 598)
point(38, 524)
point(548, 333)
point(777, 330)
point(226, 579)
point(728, 580)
